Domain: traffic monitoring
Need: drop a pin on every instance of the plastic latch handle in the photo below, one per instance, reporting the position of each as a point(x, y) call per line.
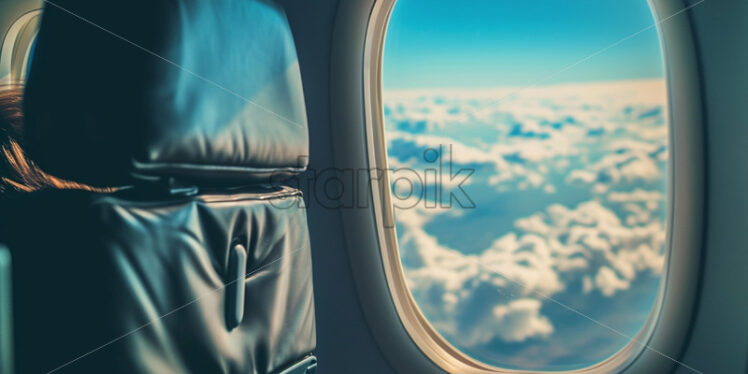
point(235, 274)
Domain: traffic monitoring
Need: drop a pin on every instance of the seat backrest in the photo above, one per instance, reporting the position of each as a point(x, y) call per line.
point(200, 261)
point(134, 90)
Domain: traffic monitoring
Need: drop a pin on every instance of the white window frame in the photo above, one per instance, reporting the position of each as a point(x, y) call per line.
point(16, 48)
point(405, 337)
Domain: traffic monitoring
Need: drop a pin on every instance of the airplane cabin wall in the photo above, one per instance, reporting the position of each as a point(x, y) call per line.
point(719, 335)
point(344, 342)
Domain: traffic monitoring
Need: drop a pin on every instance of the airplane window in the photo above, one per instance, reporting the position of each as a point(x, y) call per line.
point(17, 47)
point(528, 153)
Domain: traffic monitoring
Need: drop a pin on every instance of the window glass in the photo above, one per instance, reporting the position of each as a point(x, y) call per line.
point(528, 149)
point(16, 47)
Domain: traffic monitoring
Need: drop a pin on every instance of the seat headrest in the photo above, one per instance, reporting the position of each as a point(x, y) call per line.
point(203, 90)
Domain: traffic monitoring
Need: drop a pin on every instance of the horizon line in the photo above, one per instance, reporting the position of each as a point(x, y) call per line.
point(530, 86)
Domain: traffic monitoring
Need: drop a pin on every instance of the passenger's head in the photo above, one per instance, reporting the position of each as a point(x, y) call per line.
point(11, 111)
point(18, 172)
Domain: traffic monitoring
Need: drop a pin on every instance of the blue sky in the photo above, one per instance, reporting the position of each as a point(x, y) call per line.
point(491, 43)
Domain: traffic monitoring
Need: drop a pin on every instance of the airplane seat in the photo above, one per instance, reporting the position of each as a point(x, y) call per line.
point(199, 262)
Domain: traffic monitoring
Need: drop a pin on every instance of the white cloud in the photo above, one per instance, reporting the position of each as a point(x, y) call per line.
point(548, 250)
point(583, 176)
point(637, 195)
point(643, 168)
point(608, 282)
point(515, 321)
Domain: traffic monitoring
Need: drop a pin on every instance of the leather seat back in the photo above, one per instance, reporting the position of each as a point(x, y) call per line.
point(127, 91)
point(198, 263)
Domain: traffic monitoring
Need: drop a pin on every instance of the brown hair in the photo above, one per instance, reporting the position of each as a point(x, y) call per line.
point(18, 172)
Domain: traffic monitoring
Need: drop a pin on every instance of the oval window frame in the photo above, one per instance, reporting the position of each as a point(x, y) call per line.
point(371, 253)
point(16, 48)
